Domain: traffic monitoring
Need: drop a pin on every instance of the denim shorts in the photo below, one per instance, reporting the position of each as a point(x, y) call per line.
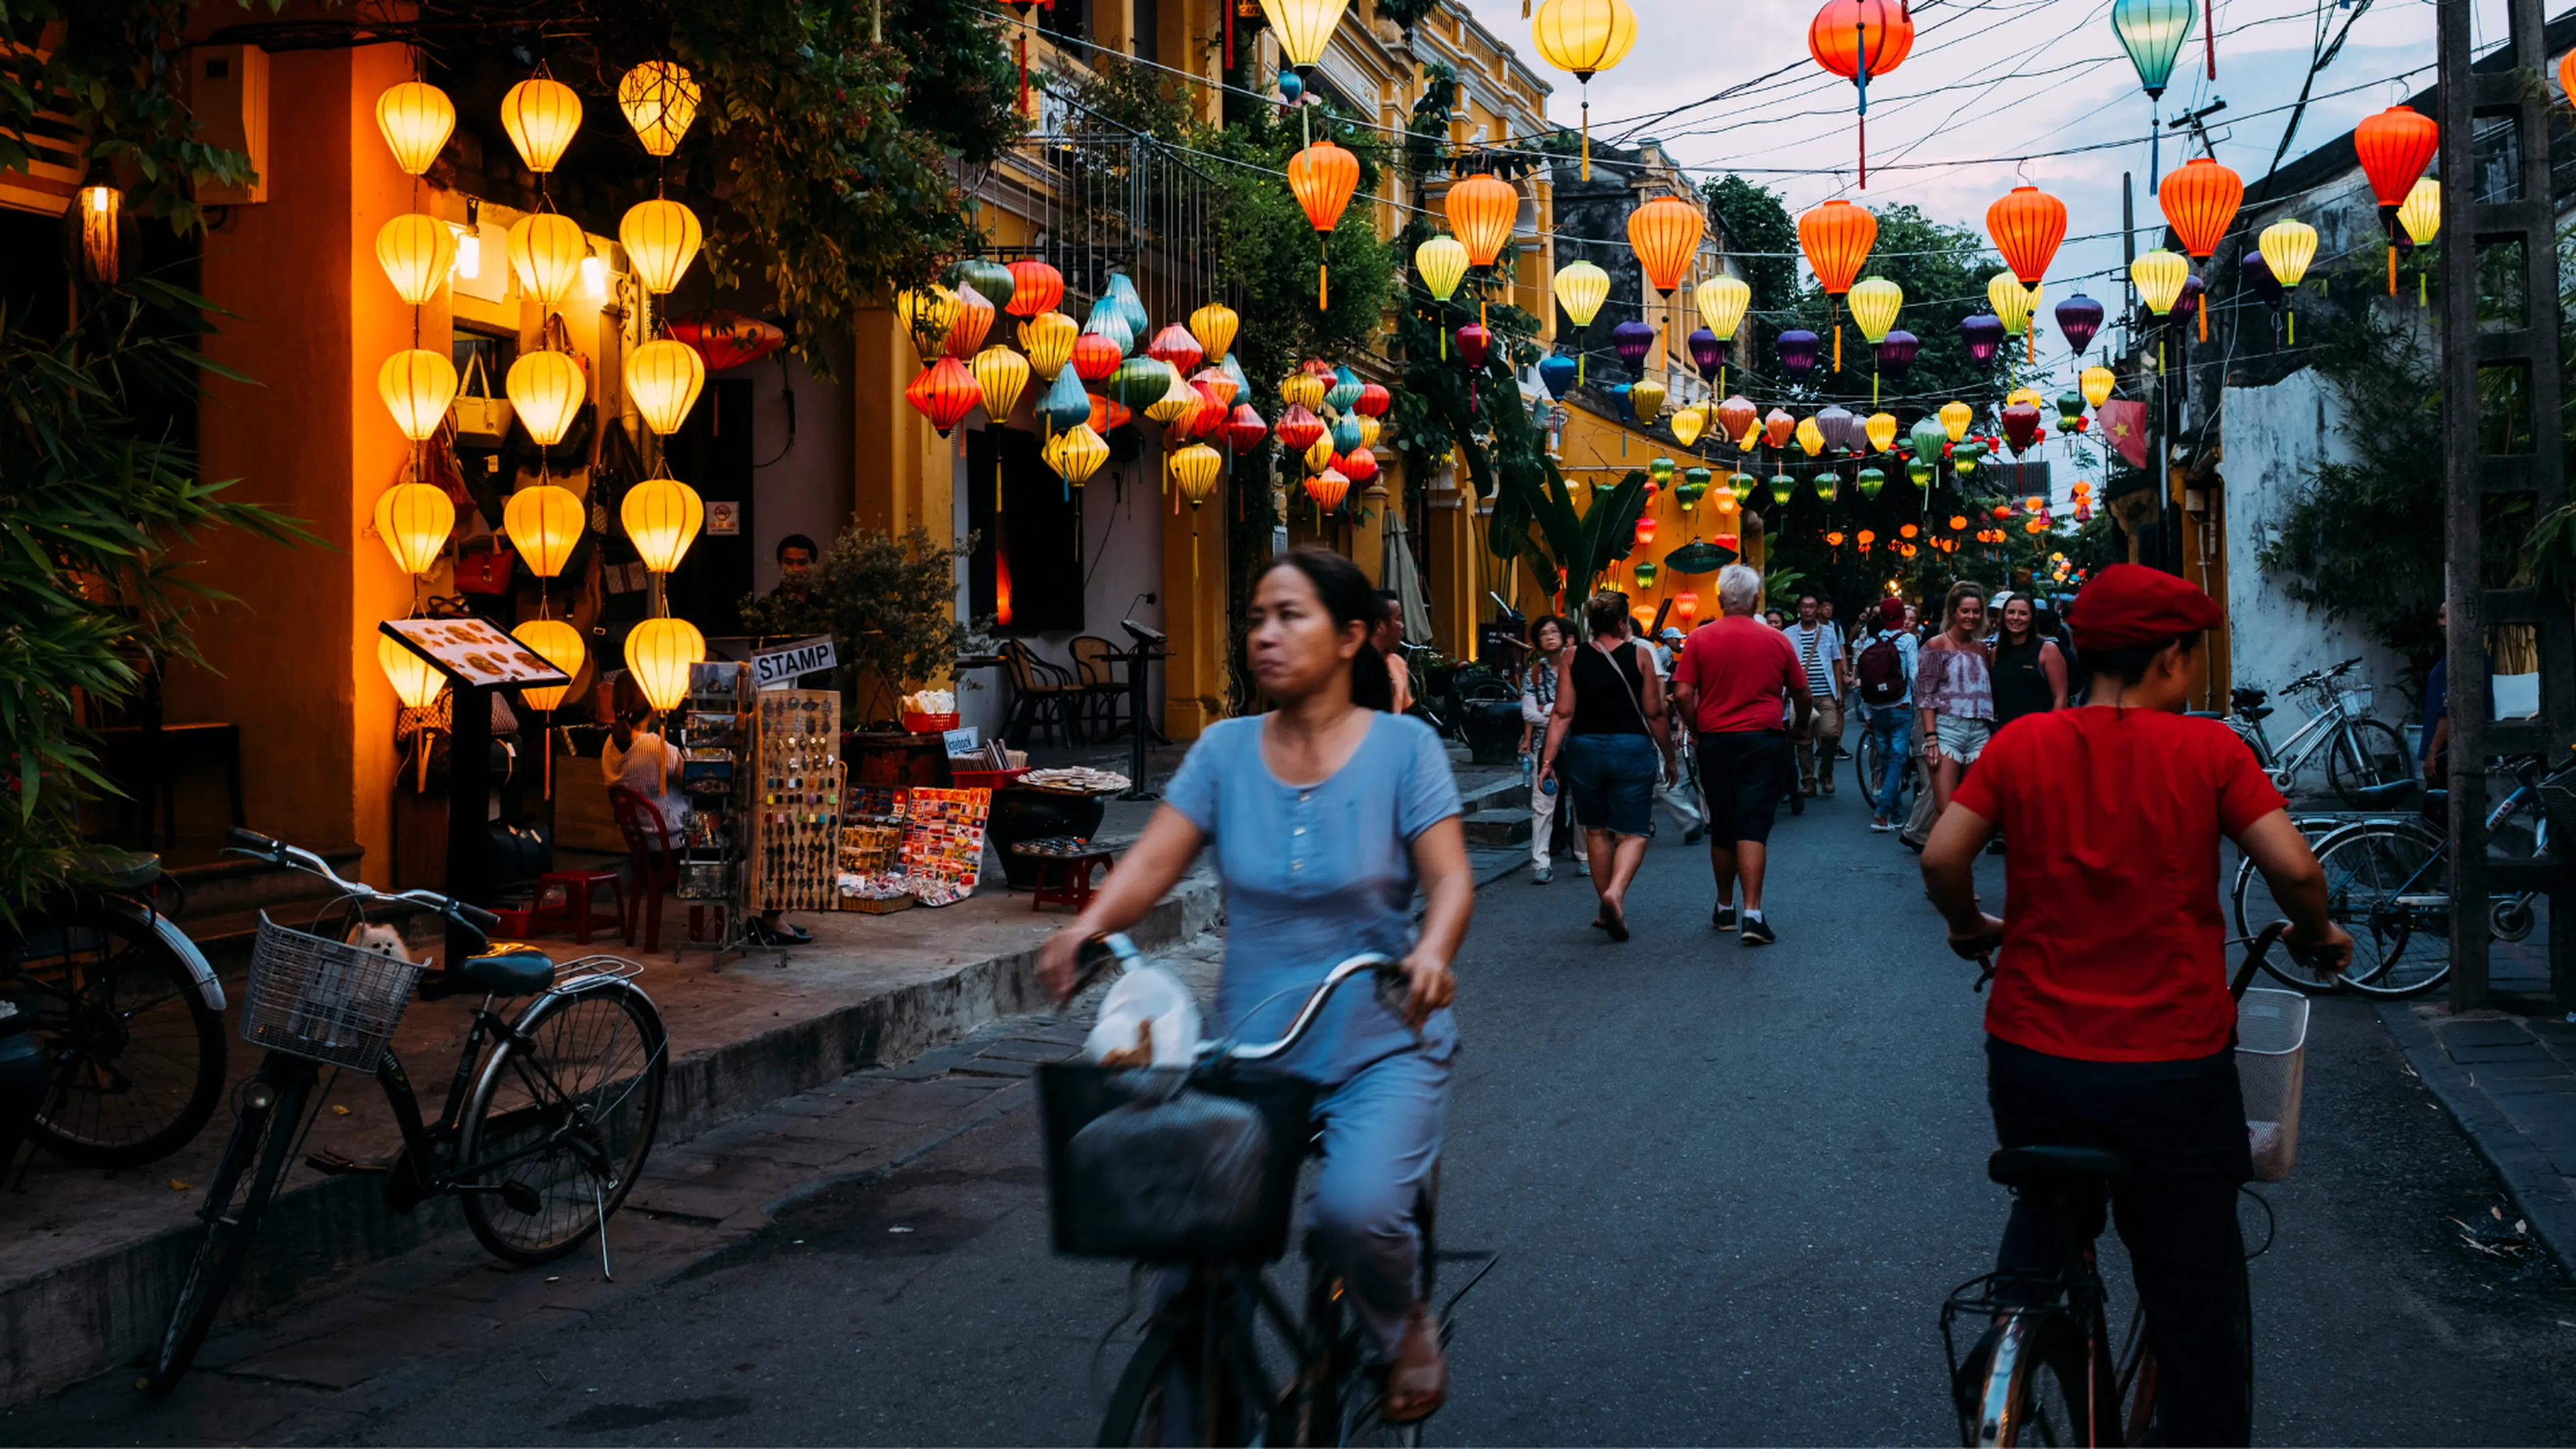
point(1611, 780)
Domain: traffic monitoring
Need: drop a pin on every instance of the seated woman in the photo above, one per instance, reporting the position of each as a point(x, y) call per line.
point(638, 759)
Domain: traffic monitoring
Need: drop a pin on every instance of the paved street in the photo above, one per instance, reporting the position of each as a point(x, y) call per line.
point(1729, 1187)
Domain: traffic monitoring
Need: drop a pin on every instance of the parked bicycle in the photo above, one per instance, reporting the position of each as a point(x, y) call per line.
point(2360, 752)
point(1216, 1206)
point(128, 1012)
point(2041, 1369)
point(540, 1146)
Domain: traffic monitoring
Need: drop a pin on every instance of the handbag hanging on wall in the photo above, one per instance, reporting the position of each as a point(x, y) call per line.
point(484, 421)
point(485, 571)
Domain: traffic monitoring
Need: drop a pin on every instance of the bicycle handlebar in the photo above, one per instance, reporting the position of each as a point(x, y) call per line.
point(1386, 968)
point(474, 919)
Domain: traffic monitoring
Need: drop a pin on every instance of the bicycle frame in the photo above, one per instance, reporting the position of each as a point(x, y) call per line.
point(2312, 735)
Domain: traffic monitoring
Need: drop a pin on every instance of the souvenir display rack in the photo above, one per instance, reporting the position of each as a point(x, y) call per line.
point(711, 738)
point(794, 842)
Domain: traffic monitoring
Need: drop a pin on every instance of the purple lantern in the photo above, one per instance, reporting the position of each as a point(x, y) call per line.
point(2078, 318)
point(1632, 340)
point(1708, 353)
point(1798, 349)
point(2187, 302)
point(1842, 430)
point(1896, 354)
point(1984, 334)
point(2258, 275)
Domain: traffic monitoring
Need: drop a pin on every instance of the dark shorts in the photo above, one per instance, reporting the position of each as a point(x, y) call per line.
point(1744, 775)
point(1611, 780)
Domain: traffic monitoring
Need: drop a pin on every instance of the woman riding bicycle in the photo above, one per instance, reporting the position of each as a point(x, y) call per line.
point(2111, 1024)
point(1325, 813)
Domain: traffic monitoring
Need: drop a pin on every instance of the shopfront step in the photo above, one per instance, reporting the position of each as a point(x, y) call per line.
point(231, 884)
point(1510, 826)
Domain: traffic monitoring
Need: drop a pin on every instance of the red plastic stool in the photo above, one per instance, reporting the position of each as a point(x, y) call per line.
point(1064, 865)
point(577, 915)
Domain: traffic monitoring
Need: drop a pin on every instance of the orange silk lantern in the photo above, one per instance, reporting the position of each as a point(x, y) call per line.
point(1481, 211)
point(1645, 532)
point(1779, 427)
point(2027, 224)
point(1836, 238)
point(2394, 147)
point(1857, 39)
point(1327, 488)
point(1735, 417)
point(1665, 235)
point(1686, 604)
point(1035, 288)
point(974, 322)
point(945, 392)
point(1323, 176)
point(2200, 198)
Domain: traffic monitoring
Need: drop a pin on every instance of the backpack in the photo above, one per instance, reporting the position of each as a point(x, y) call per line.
point(1882, 672)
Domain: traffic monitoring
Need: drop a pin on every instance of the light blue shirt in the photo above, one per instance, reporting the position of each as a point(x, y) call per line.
point(1313, 875)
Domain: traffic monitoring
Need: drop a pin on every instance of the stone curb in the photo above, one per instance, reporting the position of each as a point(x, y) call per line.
point(2530, 1179)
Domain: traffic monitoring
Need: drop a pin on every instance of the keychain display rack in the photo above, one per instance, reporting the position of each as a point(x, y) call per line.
point(795, 806)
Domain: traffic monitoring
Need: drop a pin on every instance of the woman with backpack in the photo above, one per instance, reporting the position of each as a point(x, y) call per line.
point(1883, 684)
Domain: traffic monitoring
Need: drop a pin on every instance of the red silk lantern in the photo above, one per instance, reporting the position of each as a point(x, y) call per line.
point(1245, 430)
point(2200, 198)
point(2027, 224)
point(945, 392)
point(1836, 238)
point(1857, 39)
point(1209, 419)
point(1359, 465)
point(1374, 400)
point(1035, 288)
point(1481, 211)
point(2021, 425)
point(1094, 357)
point(729, 339)
point(2394, 147)
point(1323, 176)
point(1299, 428)
point(1473, 339)
point(1665, 233)
point(1175, 345)
point(1645, 532)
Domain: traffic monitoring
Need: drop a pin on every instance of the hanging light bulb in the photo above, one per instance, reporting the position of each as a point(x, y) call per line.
point(414, 520)
point(594, 277)
point(546, 390)
point(662, 516)
point(415, 119)
point(546, 251)
point(416, 682)
point(541, 114)
point(660, 99)
point(416, 252)
point(545, 523)
point(661, 239)
point(417, 385)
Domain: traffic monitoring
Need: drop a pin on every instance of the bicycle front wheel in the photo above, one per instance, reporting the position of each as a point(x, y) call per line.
point(244, 1184)
point(2388, 886)
point(137, 1054)
point(562, 1119)
point(2365, 752)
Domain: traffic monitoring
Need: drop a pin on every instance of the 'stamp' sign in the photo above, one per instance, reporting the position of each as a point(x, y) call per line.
point(782, 666)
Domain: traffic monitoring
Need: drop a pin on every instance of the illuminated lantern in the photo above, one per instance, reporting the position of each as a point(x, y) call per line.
point(1918, 471)
point(1175, 345)
point(926, 314)
point(1244, 430)
point(1955, 417)
point(1441, 263)
point(1834, 539)
point(557, 643)
point(416, 681)
point(1841, 429)
point(1964, 456)
point(540, 113)
point(2078, 318)
point(1686, 608)
point(1304, 389)
point(2070, 411)
point(1687, 425)
point(1580, 288)
point(546, 251)
point(1983, 332)
point(2200, 198)
point(1779, 427)
point(1095, 356)
point(1218, 384)
point(1865, 538)
point(1194, 471)
point(2287, 247)
point(1343, 391)
point(1659, 474)
point(1707, 353)
point(1836, 238)
point(1473, 339)
point(546, 391)
point(1957, 522)
point(2152, 32)
point(1048, 339)
point(2021, 425)
point(545, 523)
point(2159, 275)
point(1481, 210)
point(1646, 571)
point(1645, 532)
point(663, 378)
point(1896, 354)
point(1828, 483)
point(945, 393)
point(1907, 531)
point(1797, 350)
point(1783, 488)
point(1874, 304)
point(1214, 326)
point(661, 239)
point(414, 520)
point(660, 99)
point(974, 322)
point(1647, 397)
point(1632, 340)
point(662, 516)
point(1880, 429)
point(1323, 176)
point(1035, 288)
point(2027, 225)
point(416, 252)
point(1869, 481)
point(1736, 417)
point(1665, 233)
point(1811, 436)
point(1584, 37)
point(2394, 147)
point(1320, 456)
point(2012, 302)
point(417, 385)
point(415, 119)
point(1373, 400)
point(1299, 427)
point(1328, 488)
point(1076, 453)
point(1857, 39)
point(1360, 465)
point(1722, 301)
point(2028, 395)
point(990, 279)
point(1179, 401)
point(2421, 212)
point(659, 653)
point(1303, 26)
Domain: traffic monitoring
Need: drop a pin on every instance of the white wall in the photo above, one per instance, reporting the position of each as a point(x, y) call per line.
point(809, 488)
point(2274, 436)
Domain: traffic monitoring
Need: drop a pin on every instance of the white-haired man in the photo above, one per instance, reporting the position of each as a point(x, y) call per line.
point(1734, 683)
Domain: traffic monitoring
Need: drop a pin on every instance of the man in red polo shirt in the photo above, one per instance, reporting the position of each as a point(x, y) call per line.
point(2110, 1024)
point(1734, 683)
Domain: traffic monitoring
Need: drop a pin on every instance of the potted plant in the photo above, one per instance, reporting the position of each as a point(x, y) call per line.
point(886, 603)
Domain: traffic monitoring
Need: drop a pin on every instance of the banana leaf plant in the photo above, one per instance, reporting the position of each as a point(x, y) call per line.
point(1535, 519)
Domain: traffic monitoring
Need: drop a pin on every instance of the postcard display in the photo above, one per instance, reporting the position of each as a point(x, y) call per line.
point(795, 800)
point(901, 846)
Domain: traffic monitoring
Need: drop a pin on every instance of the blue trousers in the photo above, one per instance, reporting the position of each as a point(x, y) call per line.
point(1381, 1141)
point(1892, 725)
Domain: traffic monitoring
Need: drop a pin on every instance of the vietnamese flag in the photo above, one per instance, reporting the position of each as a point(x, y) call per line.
point(2124, 422)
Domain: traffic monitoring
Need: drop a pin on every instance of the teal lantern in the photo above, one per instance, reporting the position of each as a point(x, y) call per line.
point(1346, 432)
point(2152, 32)
point(1345, 391)
point(1782, 486)
point(1869, 481)
point(1827, 484)
point(1066, 403)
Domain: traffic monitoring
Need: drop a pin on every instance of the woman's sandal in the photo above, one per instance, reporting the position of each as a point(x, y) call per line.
point(1417, 1383)
point(1615, 921)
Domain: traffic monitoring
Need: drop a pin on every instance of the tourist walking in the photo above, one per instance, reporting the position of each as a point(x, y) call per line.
point(1820, 653)
point(1954, 699)
point(2029, 672)
point(1736, 681)
point(1883, 687)
point(1608, 728)
point(1548, 635)
point(1678, 793)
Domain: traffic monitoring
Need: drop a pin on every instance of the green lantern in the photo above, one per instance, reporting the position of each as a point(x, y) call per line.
point(1963, 458)
point(1919, 469)
point(1660, 472)
point(1827, 484)
point(1782, 486)
point(1646, 573)
point(2070, 411)
point(1928, 438)
point(1741, 484)
point(1869, 481)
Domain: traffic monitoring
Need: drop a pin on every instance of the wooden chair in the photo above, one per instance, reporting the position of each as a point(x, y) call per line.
point(1095, 664)
point(655, 857)
point(1041, 693)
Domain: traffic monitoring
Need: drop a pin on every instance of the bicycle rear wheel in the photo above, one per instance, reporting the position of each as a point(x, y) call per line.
point(255, 1161)
point(562, 1119)
point(2363, 753)
point(138, 1055)
point(2039, 1387)
point(2386, 885)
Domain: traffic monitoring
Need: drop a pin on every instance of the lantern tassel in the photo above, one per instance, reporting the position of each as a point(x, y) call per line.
point(2292, 318)
point(1838, 347)
point(1587, 131)
point(2392, 268)
point(2424, 290)
point(2201, 312)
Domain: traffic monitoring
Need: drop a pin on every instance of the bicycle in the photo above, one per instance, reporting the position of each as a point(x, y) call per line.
point(1869, 765)
point(2041, 1370)
point(2388, 884)
point(128, 1011)
point(1207, 1333)
point(540, 1147)
point(2360, 752)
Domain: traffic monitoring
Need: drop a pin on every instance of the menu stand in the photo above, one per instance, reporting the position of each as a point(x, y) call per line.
point(1139, 660)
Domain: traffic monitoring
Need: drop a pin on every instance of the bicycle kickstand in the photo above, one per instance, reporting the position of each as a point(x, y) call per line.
point(600, 1206)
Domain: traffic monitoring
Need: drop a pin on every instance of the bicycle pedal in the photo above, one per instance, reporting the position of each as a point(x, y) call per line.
point(335, 1165)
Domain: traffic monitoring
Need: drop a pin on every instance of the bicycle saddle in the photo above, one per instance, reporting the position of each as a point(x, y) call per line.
point(2028, 1166)
point(120, 870)
point(2390, 796)
point(513, 971)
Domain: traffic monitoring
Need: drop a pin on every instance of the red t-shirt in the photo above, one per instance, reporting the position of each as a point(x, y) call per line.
point(1741, 672)
point(2114, 948)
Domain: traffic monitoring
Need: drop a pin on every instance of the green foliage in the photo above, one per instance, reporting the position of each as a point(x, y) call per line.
point(1758, 232)
point(885, 602)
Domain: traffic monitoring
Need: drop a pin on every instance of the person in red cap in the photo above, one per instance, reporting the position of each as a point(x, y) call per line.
point(2110, 1024)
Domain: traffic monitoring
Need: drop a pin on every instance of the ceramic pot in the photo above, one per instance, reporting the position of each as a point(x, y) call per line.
point(1022, 813)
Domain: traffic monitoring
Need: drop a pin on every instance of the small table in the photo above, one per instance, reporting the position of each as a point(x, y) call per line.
point(1069, 860)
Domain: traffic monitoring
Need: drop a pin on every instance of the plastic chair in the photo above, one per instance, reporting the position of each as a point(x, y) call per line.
point(1041, 693)
point(655, 857)
point(580, 889)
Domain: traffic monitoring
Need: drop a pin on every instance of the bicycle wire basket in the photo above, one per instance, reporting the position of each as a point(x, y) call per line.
point(325, 1000)
point(2271, 1065)
point(2356, 700)
point(1171, 1166)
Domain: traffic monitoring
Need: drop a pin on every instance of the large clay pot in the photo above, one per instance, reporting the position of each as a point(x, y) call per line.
point(1023, 813)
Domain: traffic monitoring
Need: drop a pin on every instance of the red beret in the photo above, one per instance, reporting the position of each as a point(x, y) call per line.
point(2128, 604)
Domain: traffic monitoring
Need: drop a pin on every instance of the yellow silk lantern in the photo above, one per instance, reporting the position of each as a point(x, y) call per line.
point(2287, 248)
point(2011, 301)
point(415, 119)
point(416, 682)
point(2421, 212)
point(1722, 301)
point(661, 239)
point(544, 523)
point(1441, 263)
point(546, 251)
point(1874, 305)
point(663, 379)
point(546, 390)
point(1585, 37)
point(1048, 340)
point(927, 313)
point(1646, 399)
point(541, 113)
point(1076, 453)
point(660, 99)
point(1370, 428)
point(1305, 389)
point(2097, 383)
point(417, 385)
point(1580, 289)
point(1688, 424)
point(416, 251)
point(662, 516)
point(1881, 429)
point(1319, 454)
point(557, 643)
point(1303, 26)
point(1955, 417)
point(414, 520)
point(1179, 400)
point(659, 653)
point(1000, 374)
point(2160, 275)
point(2028, 395)
point(1194, 471)
point(1811, 438)
point(1214, 325)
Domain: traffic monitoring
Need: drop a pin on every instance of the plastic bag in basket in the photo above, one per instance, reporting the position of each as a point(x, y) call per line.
point(1148, 1018)
point(1188, 1168)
